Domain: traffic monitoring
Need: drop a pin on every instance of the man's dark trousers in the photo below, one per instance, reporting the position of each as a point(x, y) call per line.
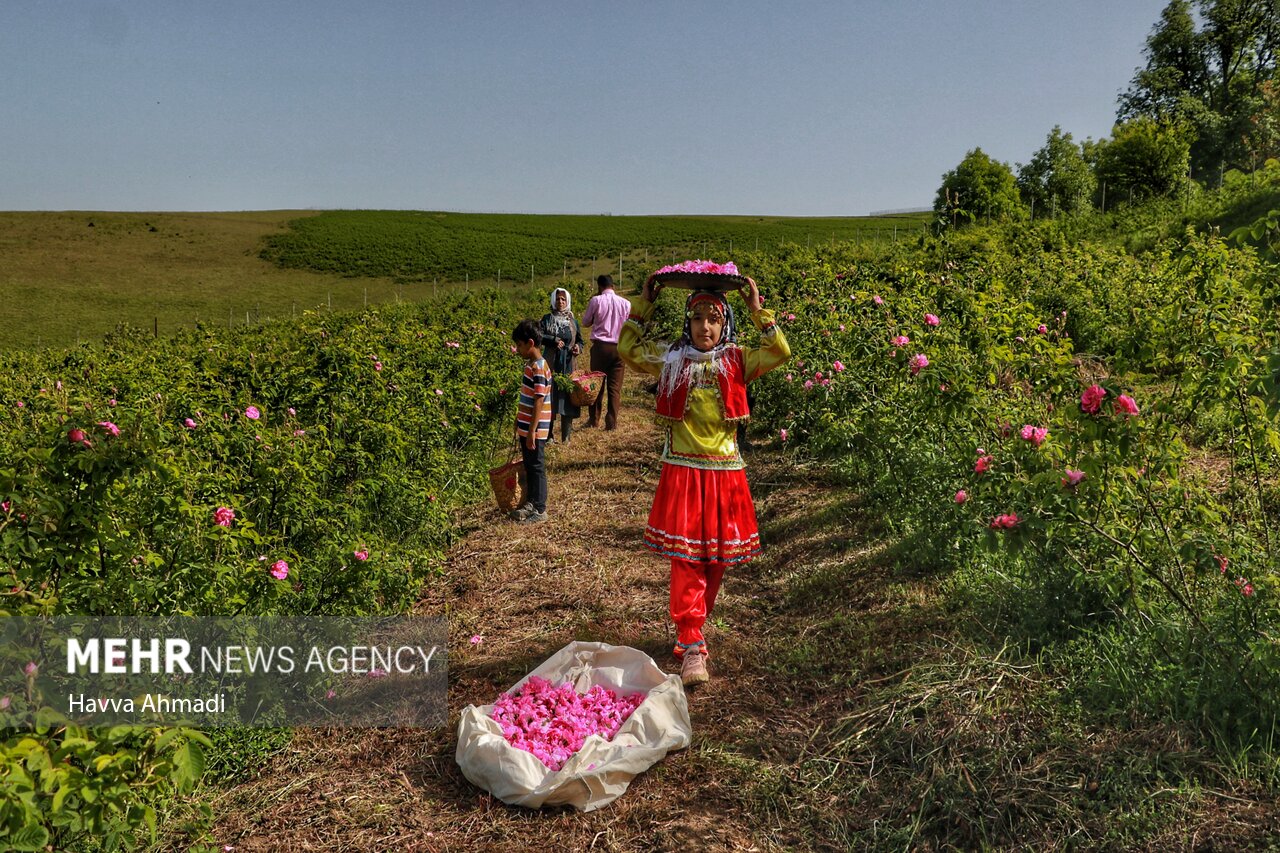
point(605, 358)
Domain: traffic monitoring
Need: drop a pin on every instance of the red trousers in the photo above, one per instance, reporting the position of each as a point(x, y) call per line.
point(693, 594)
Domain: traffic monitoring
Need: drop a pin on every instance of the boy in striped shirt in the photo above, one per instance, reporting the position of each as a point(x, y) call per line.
point(533, 422)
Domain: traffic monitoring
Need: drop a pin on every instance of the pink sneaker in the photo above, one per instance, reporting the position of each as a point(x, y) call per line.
point(693, 670)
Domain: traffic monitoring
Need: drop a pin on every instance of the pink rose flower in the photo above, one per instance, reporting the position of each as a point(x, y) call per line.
point(981, 466)
point(279, 570)
point(1005, 522)
point(877, 300)
point(189, 424)
point(783, 433)
point(361, 554)
point(109, 427)
point(252, 413)
point(931, 319)
point(808, 384)
point(1042, 329)
point(1091, 399)
point(1126, 406)
point(31, 668)
point(838, 367)
point(1222, 563)
point(377, 365)
point(919, 361)
point(962, 496)
point(1035, 435)
point(1073, 478)
point(76, 436)
point(223, 516)
point(900, 340)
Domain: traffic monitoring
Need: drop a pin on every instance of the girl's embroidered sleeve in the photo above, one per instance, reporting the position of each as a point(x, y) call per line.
point(773, 349)
point(643, 355)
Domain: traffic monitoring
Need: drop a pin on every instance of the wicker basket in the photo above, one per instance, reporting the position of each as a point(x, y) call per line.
point(507, 482)
point(586, 387)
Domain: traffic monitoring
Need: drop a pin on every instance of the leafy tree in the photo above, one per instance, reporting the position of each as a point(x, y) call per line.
point(1057, 178)
point(1143, 159)
point(979, 187)
point(1208, 79)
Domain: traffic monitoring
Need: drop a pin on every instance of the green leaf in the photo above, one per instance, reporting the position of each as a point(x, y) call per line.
point(33, 836)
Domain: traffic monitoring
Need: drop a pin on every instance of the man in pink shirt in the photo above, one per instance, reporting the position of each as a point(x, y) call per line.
point(606, 312)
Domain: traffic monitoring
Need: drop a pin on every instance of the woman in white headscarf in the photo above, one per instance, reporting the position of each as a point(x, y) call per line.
point(561, 344)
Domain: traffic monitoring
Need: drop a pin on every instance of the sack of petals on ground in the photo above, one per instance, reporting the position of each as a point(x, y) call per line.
point(601, 770)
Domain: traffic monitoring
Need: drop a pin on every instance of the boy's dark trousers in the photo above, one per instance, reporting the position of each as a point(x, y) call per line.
point(535, 472)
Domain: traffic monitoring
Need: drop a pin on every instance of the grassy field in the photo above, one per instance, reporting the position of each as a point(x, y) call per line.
point(71, 277)
point(419, 245)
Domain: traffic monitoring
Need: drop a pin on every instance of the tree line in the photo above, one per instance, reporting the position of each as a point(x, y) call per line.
point(1206, 102)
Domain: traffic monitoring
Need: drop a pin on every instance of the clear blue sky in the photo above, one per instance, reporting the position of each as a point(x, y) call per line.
point(658, 106)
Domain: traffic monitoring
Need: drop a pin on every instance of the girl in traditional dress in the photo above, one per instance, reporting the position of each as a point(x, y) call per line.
point(702, 516)
point(561, 344)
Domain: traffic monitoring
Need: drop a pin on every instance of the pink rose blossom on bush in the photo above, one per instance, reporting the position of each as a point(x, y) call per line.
point(900, 340)
point(981, 466)
point(842, 327)
point(252, 413)
point(299, 433)
point(439, 393)
point(109, 427)
point(919, 361)
point(279, 570)
point(962, 496)
point(1222, 563)
point(838, 367)
point(223, 516)
point(790, 378)
point(931, 319)
point(553, 722)
point(377, 365)
point(189, 424)
point(361, 554)
point(1035, 435)
point(20, 404)
point(76, 436)
point(1073, 478)
point(112, 402)
point(1091, 399)
point(783, 433)
point(808, 384)
point(4, 703)
point(1126, 406)
point(30, 668)
point(791, 318)
point(1042, 329)
point(1020, 339)
point(877, 300)
point(292, 411)
point(1005, 522)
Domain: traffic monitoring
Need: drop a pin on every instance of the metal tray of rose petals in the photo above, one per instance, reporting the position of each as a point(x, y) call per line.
point(716, 281)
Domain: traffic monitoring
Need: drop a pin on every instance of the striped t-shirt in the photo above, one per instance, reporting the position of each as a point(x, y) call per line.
point(537, 383)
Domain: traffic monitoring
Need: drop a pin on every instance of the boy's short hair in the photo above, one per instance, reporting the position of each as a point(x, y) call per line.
point(526, 330)
point(603, 281)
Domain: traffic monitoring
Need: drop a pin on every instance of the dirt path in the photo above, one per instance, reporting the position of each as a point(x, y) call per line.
point(528, 590)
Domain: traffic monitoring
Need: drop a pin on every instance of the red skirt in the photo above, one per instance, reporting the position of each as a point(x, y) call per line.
point(703, 515)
